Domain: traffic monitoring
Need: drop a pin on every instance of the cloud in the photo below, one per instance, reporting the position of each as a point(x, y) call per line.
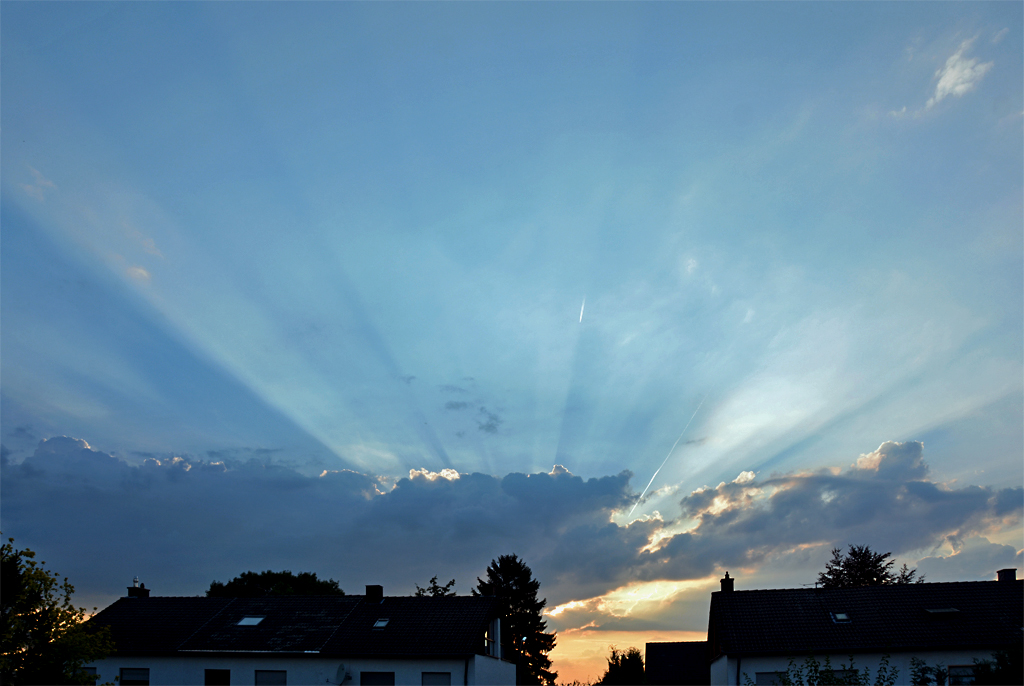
point(973, 558)
point(455, 405)
point(958, 76)
point(101, 520)
point(999, 36)
point(40, 185)
point(490, 422)
point(138, 274)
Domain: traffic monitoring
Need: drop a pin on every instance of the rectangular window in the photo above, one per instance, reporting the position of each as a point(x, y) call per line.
point(961, 674)
point(376, 679)
point(768, 678)
point(134, 676)
point(271, 677)
point(217, 677)
point(437, 679)
point(91, 671)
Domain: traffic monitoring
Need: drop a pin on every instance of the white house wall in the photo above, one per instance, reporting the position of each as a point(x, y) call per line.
point(305, 671)
point(732, 671)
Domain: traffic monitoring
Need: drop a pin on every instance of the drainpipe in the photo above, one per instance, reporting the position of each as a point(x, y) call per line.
point(465, 675)
point(739, 661)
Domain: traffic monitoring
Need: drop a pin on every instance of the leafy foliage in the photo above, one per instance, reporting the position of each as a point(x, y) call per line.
point(253, 585)
point(814, 673)
point(43, 636)
point(522, 628)
point(625, 668)
point(435, 590)
point(861, 566)
point(1005, 667)
point(922, 674)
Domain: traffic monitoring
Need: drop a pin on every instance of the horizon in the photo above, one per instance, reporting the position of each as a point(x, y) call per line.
point(384, 291)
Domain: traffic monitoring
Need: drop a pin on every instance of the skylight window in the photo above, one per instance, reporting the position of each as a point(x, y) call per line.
point(380, 623)
point(841, 617)
point(250, 621)
point(943, 611)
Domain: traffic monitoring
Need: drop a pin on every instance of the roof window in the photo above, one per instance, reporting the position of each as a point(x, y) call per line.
point(943, 611)
point(380, 623)
point(250, 621)
point(841, 617)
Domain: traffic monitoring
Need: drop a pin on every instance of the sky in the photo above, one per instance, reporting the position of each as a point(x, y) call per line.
point(641, 292)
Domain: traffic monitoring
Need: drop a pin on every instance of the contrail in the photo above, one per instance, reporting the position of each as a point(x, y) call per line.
point(581, 309)
point(669, 454)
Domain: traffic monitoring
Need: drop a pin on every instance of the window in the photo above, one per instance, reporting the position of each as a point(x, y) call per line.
point(91, 671)
point(768, 678)
point(961, 674)
point(250, 621)
point(376, 679)
point(271, 677)
point(134, 676)
point(840, 617)
point(437, 679)
point(380, 623)
point(217, 677)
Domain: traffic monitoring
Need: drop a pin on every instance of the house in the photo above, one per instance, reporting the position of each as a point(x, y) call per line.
point(343, 640)
point(756, 633)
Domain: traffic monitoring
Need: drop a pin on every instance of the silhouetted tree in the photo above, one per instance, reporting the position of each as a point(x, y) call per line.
point(522, 628)
point(253, 585)
point(435, 590)
point(42, 635)
point(625, 668)
point(861, 566)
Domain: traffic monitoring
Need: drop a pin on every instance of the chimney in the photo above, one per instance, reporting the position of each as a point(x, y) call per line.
point(727, 583)
point(137, 590)
point(374, 592)
point(1007, 574)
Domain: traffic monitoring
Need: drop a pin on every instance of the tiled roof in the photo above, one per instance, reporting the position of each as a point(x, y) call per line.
point(985, 614)
point(328, 625)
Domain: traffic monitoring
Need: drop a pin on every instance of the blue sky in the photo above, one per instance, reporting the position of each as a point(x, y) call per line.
point(358, 236)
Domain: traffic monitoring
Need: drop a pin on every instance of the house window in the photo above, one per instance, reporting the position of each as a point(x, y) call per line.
point(380, 623)
point(961, 674)
point(271, 677)
point(134, 676)
point(768, 678)
point(437, 679)
point(841, 617)
point(91, 671)
point(217, 677)
point(376, 679)
point(250, 621)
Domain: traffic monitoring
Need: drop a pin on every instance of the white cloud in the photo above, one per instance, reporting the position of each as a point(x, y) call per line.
point(138, 273)
point(959, 75)
point(38, 188)
point(1000, 35)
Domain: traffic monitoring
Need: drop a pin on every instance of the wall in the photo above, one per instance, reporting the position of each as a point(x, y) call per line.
point(723, 671)
point(304, 670)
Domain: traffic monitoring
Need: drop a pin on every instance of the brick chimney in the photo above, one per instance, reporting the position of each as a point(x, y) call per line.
point(137, 590)
point(727, 583)
point(1007, 574)
point(374, 592)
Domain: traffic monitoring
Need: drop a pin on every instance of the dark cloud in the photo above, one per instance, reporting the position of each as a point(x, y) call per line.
point(181, 522)
point(454, 405)
point(408, 378)
point(23, 432)
point(490, 422)
point(448, 388)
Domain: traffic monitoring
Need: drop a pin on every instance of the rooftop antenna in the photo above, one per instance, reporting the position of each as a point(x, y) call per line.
point(135, 581)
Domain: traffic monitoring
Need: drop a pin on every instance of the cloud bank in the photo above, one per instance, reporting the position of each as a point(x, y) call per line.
point(181, 522)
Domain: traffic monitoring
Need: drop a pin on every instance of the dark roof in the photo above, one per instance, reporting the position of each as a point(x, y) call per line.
point(327, 625)
point(980, 614)
point(684, 663)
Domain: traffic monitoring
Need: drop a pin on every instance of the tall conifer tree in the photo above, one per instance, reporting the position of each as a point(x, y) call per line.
point(522, 628)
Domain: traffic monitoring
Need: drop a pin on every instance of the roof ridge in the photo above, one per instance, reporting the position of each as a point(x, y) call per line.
point(208, 620)
point(342, 622)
